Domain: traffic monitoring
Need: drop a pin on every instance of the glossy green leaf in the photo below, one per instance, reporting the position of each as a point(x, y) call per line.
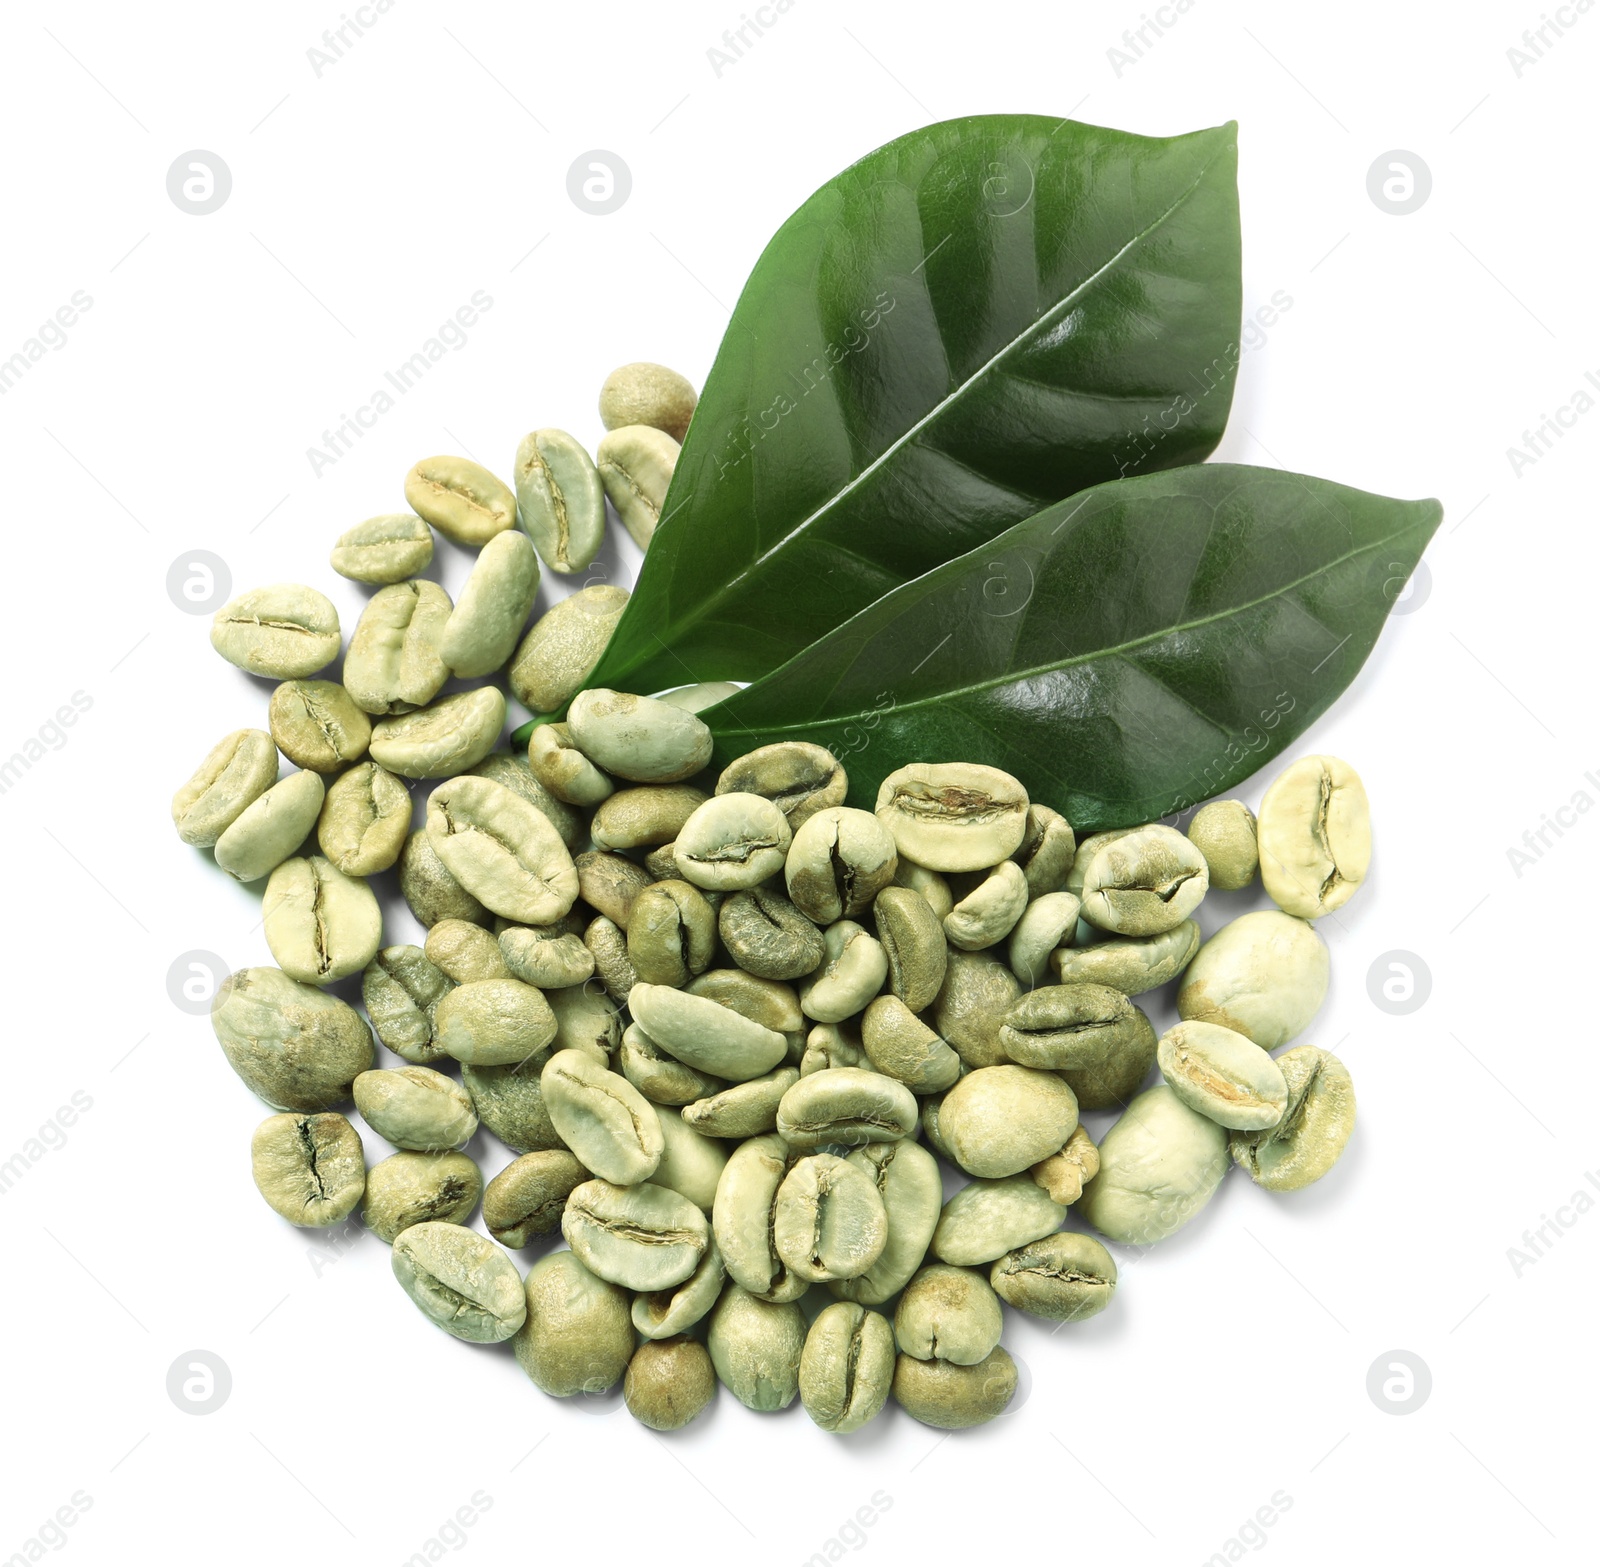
point(1125, 653)
point(976, 320)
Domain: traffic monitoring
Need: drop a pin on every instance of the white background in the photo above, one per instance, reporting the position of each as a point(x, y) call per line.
point(367, 205)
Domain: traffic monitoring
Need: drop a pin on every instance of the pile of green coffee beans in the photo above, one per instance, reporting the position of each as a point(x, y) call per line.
point(725, 1021)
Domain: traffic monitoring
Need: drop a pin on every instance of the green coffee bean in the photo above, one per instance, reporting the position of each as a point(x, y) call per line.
point(1046, 851)
point(578, 1337)
point(848, 1107)
point(1065, 1277)
point(671, 933)
point(510, 1102)
point(1264, 975)
point(930, 885)
point(948, 1313)
point(853, 970)
point(798, 777)
point(691, 1163)
point(1144, 882)
point(602, 1118)
point(1000, 1119)
point(648, 394)
point(464, 501)
point(549, 956)
point(828, 1221)
point(1223, 1075)
point(636, 463)
point(316, 725)
point(908, 1182)
point(268, 830)
point(989, 913)
point(636, 737)
point(828, 1045)
point(415, 1108)
point(400, 989)
point(838, 862)
point(663, 1313)
point(1109, 1083)
point(365, 817)
point(1132, 965)
point(430, 891)
point(443, 740)
point(560, 499)
point(319, 923)
point(418, 1188)
point(237, 771)
point(972, 1005)
point(928, 1115)
point(610, 883)
point(492, 608)
point(1064, 1174)
point(586, 1020)
point(951, 1397)
point(384, 549)
point(1315, 836)
point(742, 1109)
point(514, 774)
point(669, 1382)
point(502, 850)
point(295, 1046)
point(742, 1218)
point(494, 1022)
point(563, 769)
point(985, 1219)
point(525, 1200)
point(953, 816)
point(766, 935)
point(1307, 1142)
point(756, 1347)
point(309, 1168)
point(460, 1281)
point(1086, 851)
point(605, 940)
point(661, 1078)
point(1225, 833)
point(644, 817)
point(913, 945)
point(900, 1045)
point(704, 1034)
point(286, 631)
point(393, 664)
point(643, 1237)
point(846, 1367)
point(1047, 923)
point(463, 952)
point(564, 644)
point(1067, 1026)
point(732, 842)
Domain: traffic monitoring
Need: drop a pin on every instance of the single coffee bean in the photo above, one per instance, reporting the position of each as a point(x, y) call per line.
point(756, 1347)
point(645, 393)
point(1064, 1174)
point(846, 1367)
point(586, 1020)
point(1132, 965)
point(237, 771)
point(443, 740)
point(988, 913)
point(768, 1002)
point(549, 956)
point(393, 664)
point(742, 1109)
point(514, 774)
point(430, 891)
point(1223, 1075)
point(743, 1217)
point(525, 1200)
point(464, 501)
point(838, 862)
point(602, 1118)
point(1264, 975)
point(828, 1221)
point(847, 1107)
point(564, 644)
point(286, 631)
point(732, 842)
point(691, 1163)
point(1159, 1165)
point(661, 1078)
point(645, 817)
point(671, 933)
point(636, 737)
point(972, 1004)
point(503, 851)
point(295, 1046)
point(660, 863)
point(365, 817)
point(417, 1188)
point(492, 608)
point(577, 1337)
point(1315, 836)
point(1144, 883)
point(319, 923)
point(913, 945)
point(949, 1314)
point(400, 989)
point(669, 1381)
point(643, 1237)
point(766, 935)
point(560, 500)
point(900, 1045)
point(1000, 1119)
point(1046, 851)
point(464, 952)
point(636, 463)
point(1086, 851)
point(1225, 833)
point(1065, 1026)
point(1108, 1084)
point(954, 816)
point(663, 1313)
point(1307, 1142)
point(1047, 923)
point(928, 1116)
point(1065, 1277)
point(951, 1397)
point(704, 1034)
point(460, 1281)
point(384, 550)
point(609, 946)
point(510, 1102)
point(413, 1107)
point(798, 777)
point(316, 725)
point(309, 1168)
point(829, 1045)
point(853, 970)
point(988, 1218)
point(908, 1182)
point(610, 883)
point(268, 830)
point(930, 885)
point(563, 769)
point(494, 1022)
